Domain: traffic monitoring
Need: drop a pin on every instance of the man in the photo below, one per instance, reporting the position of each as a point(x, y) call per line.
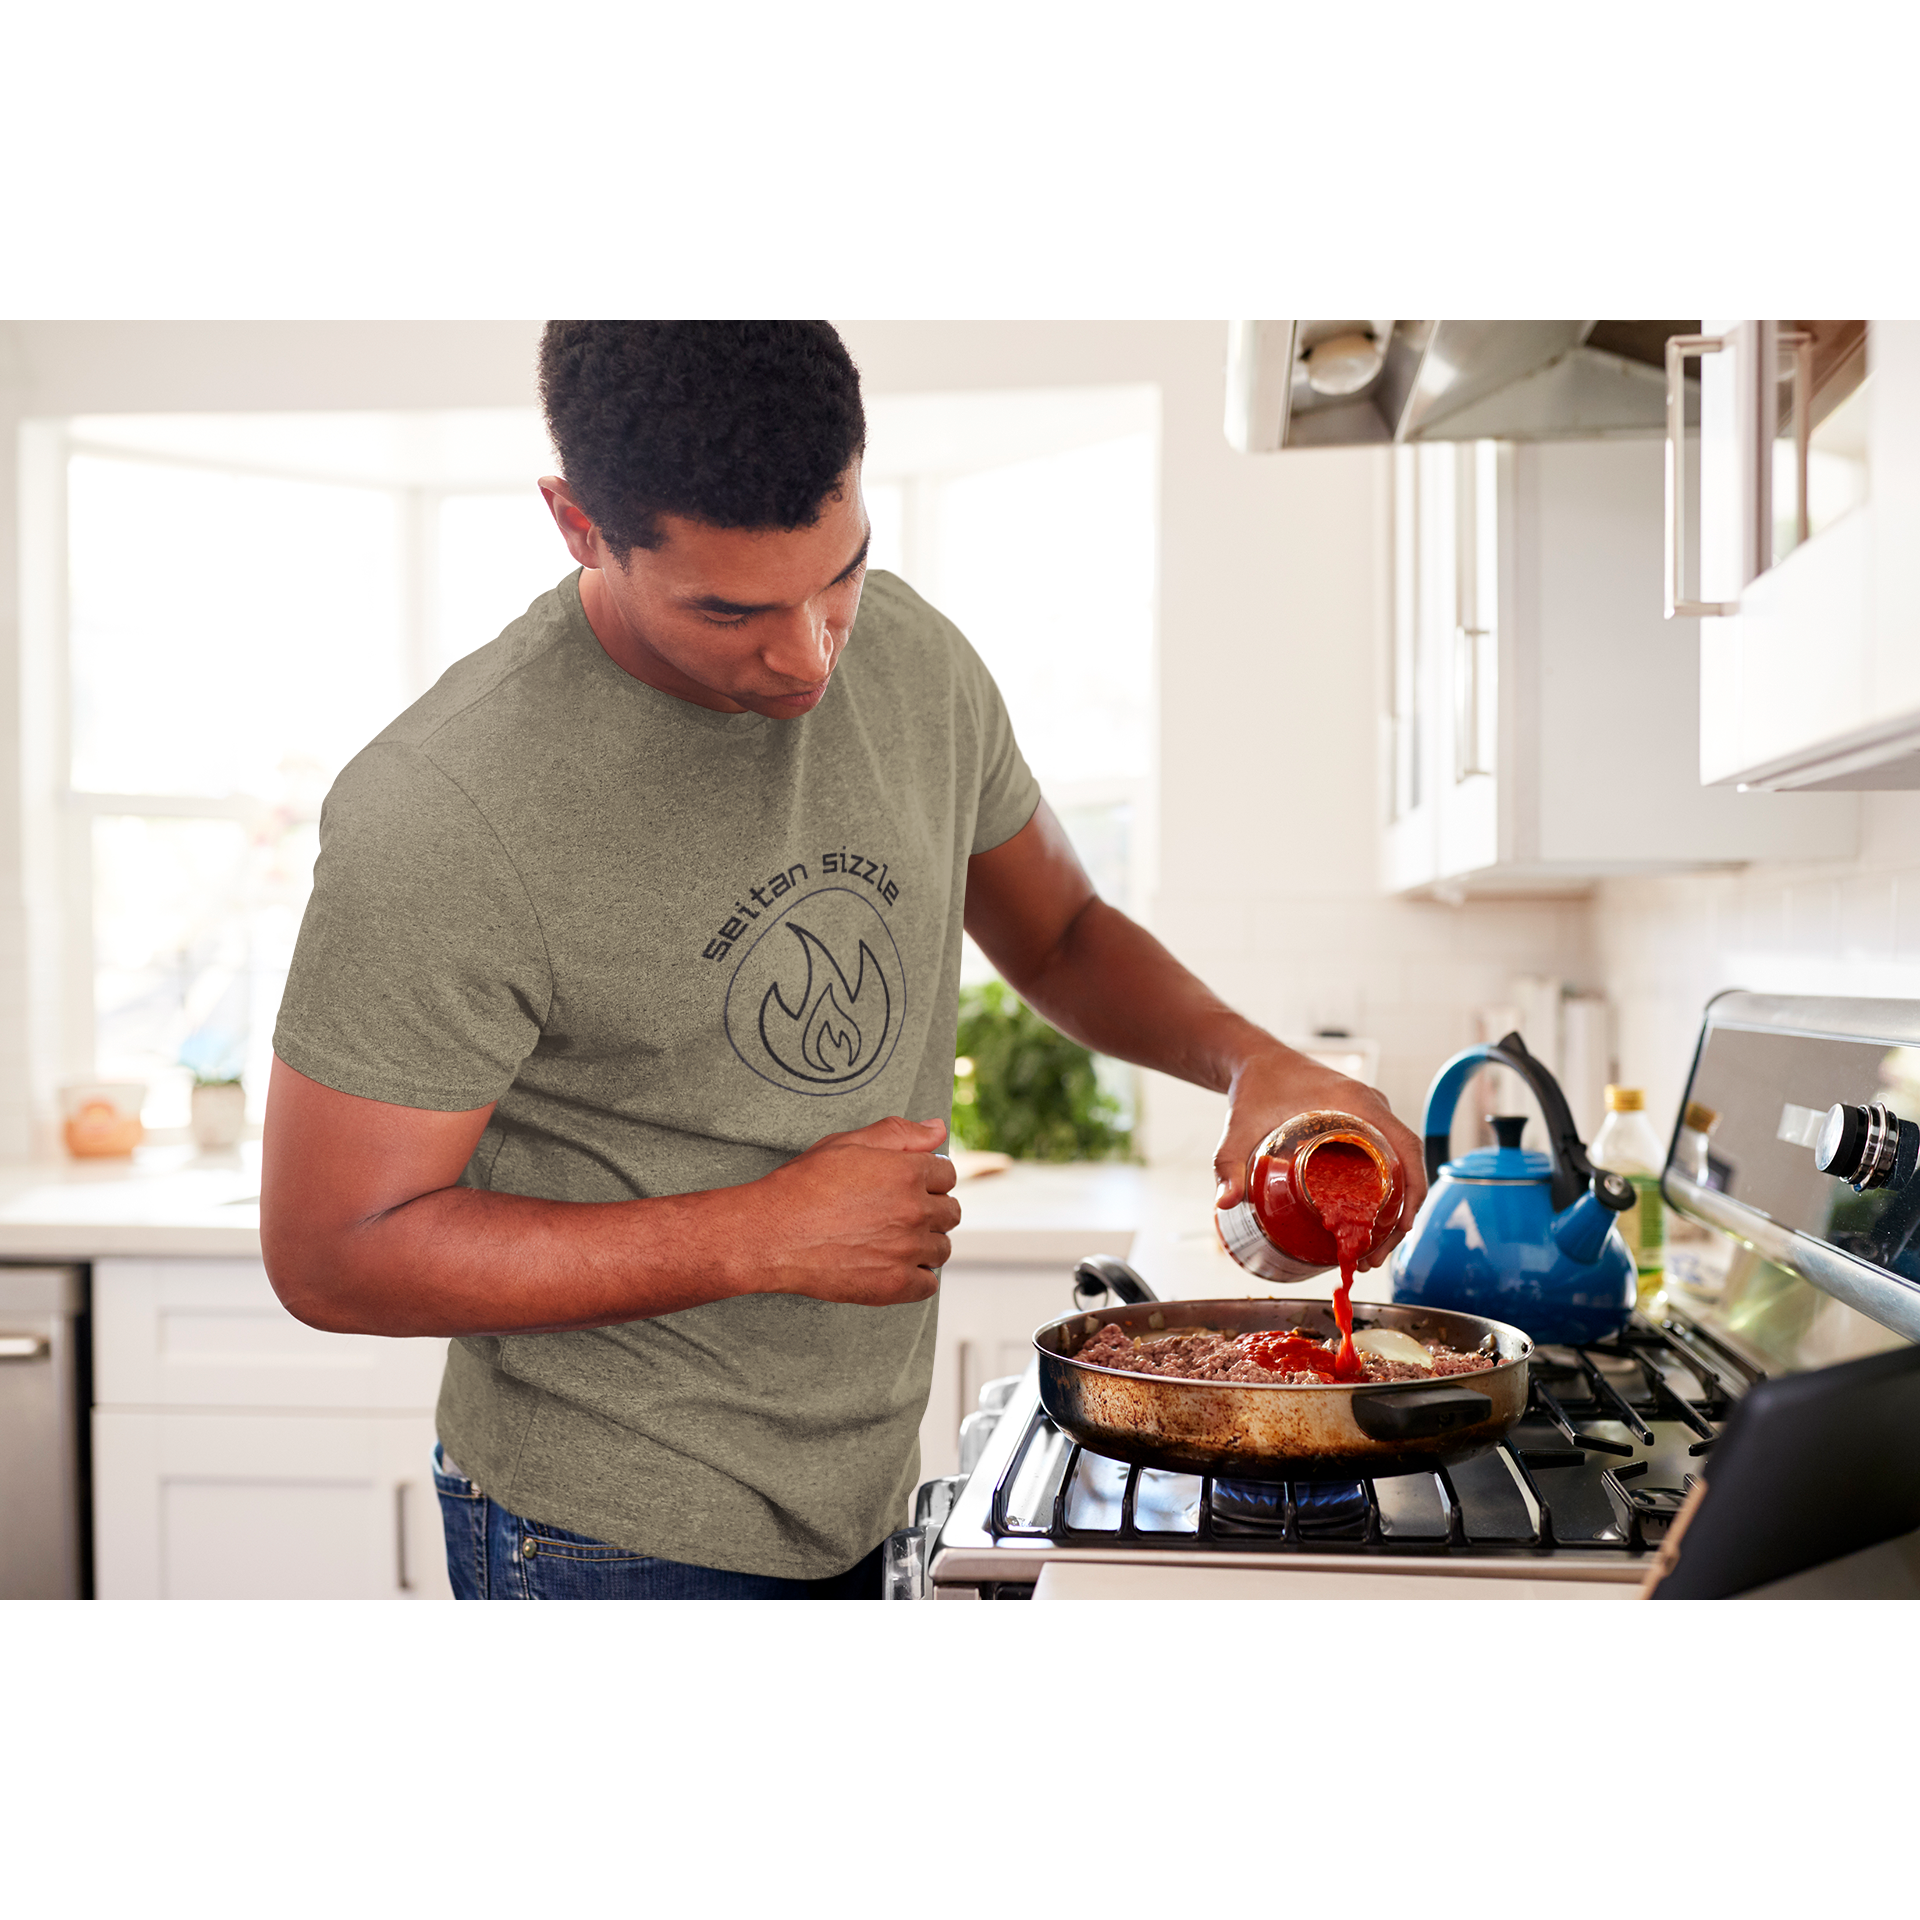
point(619, 1039)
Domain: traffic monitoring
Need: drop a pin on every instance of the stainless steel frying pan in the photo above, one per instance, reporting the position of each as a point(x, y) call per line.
point(1253, 1431)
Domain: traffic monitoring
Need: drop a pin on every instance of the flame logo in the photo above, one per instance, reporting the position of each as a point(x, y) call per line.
point(821, 1040)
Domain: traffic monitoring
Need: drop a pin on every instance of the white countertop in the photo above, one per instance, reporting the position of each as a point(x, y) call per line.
point(1158, 1219)
point(162, 1201)
point(175, 1201)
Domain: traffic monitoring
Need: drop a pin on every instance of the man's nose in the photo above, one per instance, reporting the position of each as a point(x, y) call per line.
point(803, 649)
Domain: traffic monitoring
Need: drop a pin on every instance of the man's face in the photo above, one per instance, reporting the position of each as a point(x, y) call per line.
point(730, 619)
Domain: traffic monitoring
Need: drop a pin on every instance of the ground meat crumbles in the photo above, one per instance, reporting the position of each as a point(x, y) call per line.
point(1199, 1354)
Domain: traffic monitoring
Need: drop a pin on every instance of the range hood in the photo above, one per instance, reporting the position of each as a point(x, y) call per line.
point(1355, 383)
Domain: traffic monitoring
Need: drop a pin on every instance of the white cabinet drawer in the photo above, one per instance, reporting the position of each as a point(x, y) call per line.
point(238, 1506)
point(211, 1333)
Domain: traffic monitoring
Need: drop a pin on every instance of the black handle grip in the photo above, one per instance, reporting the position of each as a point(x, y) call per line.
point(1100, 1274)
point(1420, 1413)
point(1572, 1170)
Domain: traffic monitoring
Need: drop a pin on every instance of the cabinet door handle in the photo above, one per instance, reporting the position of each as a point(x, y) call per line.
point(400, 1574)
point(24, 1346)
point(1468, 759)
point(1682, 347)
point(1802, 345)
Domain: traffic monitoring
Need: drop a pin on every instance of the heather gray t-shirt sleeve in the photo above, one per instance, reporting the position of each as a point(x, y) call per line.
point(1008, 791)
point(421, 976)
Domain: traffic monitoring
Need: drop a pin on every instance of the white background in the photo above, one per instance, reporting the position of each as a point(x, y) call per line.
point(1062, 160)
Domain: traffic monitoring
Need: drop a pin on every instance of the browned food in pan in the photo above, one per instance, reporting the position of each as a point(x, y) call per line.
point(1268, 1359)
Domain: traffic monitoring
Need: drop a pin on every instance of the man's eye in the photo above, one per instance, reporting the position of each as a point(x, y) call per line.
point(725, 620)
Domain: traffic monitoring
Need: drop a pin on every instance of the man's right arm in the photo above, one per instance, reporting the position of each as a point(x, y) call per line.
point(365, 1228)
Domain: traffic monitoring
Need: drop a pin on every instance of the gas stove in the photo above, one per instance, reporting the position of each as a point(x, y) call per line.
point(1584, 1487)
point(1763, 1436)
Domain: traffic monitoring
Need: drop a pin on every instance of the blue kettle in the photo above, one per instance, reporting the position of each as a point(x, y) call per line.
point(1527, 1238)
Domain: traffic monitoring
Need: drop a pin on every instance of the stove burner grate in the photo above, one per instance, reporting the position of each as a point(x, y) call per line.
point(1599, 1419)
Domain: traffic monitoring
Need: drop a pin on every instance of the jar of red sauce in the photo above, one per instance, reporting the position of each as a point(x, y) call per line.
point(1310, 1173)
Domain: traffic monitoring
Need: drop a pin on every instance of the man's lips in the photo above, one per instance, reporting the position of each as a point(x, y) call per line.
point(805, 697)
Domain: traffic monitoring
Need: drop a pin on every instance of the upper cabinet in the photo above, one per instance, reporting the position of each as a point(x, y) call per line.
point(1802, 498)
point(1541, 720)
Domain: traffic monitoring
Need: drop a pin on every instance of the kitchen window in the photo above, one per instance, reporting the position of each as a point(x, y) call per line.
point(243, 602)
point(1031, 519)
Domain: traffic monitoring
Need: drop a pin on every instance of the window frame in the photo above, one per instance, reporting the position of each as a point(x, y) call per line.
point(60, 816)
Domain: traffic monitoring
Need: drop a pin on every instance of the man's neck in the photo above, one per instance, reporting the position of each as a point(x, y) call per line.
point(627, 648)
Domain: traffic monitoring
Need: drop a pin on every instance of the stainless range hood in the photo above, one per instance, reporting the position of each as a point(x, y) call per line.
point(1354, 383)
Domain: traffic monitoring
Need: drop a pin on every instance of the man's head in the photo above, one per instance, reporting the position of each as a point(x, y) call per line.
point(712, 487)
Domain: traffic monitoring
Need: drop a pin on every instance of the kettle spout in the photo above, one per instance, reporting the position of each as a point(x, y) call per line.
point(1581, 1230)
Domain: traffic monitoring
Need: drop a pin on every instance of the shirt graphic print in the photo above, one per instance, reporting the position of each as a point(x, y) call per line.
point(817, 998)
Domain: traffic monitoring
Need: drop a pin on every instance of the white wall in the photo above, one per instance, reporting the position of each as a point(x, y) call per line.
point(1848, 927)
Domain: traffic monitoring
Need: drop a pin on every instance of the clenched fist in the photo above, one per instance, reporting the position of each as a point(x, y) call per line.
point(861, 1217)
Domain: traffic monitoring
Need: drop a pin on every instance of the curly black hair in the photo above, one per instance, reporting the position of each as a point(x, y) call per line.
point(740, 423)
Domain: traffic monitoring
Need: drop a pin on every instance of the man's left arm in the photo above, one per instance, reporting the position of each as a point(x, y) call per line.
point(1107, 982)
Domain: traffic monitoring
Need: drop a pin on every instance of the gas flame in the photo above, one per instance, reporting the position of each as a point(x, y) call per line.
point(821, 1040)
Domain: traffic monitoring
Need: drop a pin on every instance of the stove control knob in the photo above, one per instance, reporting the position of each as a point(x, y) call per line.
point(1868, 1146)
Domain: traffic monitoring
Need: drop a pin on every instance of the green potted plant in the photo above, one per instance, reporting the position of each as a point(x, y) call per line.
point(1022, 1088)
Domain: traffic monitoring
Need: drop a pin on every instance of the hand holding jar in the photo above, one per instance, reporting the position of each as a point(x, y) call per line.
point(1278, 1086)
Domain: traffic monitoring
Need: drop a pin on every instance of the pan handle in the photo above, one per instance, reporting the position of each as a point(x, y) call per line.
point(1421, 1413)
point(1100, 1274)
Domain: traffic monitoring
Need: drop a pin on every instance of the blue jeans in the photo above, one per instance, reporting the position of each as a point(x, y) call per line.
point(495, 1555)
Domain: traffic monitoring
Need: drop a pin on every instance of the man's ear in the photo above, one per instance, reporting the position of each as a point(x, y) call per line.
point(575, 524)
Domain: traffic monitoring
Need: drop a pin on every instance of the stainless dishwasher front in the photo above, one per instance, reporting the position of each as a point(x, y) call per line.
point(43, 1407)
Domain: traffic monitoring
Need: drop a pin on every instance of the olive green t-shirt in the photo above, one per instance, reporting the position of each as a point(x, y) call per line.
point(675, 947)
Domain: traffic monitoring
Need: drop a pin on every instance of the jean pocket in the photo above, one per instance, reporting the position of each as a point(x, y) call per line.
point(451, 1486)
point(539, 1540)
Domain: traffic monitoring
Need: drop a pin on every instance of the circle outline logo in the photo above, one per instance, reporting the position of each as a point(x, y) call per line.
point(831, 1004)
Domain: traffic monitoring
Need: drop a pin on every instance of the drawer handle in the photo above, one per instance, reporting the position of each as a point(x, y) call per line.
point(24, 1346)
point(1682, 347)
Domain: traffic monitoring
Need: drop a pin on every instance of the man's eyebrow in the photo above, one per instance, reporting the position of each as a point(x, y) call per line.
point(737, 610)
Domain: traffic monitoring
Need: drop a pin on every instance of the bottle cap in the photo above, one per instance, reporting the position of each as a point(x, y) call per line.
point(1700, 1119)
point(1625, 1099)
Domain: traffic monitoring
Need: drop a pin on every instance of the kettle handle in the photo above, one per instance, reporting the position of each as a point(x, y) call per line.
point(1572, 1170)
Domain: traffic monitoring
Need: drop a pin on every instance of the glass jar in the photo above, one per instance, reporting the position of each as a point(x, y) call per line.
point(1276, 1232)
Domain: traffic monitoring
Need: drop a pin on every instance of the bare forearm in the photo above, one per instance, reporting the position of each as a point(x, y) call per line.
point(366, 1227)
point(1109, 984)
point(462, 1261)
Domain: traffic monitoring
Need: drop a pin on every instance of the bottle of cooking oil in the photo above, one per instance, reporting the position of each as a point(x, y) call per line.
point(1626, 1144)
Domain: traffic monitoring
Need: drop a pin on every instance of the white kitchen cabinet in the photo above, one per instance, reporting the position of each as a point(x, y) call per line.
point(1542, 719)
point(239, 1454)
point(987, 1317)
point(1810, 653)
point(261, 1506)
point(212, 1333)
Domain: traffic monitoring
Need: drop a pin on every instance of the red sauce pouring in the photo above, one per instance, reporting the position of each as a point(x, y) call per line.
point(1346, 1188)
